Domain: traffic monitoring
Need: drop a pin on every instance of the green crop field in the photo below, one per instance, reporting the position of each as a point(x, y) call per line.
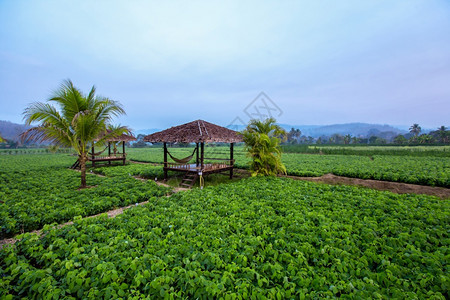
point(434, 171)
point(438, 151)
point(424, 170)
point(258, 238)
point(40, 189)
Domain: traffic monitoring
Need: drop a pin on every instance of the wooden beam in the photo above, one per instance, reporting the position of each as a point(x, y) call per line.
point(202, 155)
point(231, 160)
point(123, 152)
point(93, 156)
point(109, 151)
point(165, 161)
point(197, 160)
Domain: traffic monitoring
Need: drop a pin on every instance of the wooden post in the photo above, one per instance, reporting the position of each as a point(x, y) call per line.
point(165, 161)
point(231, 160)
point(93, 156)
point(109, 152)
point(202, 155)
point(197, 161)
point(123, 152)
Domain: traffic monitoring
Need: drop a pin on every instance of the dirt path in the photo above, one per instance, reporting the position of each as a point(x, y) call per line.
point(175, 189)
point(396, 187)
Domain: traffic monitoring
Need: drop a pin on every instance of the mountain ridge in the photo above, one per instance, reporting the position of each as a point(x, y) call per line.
point(11, 131)
point(354, 129)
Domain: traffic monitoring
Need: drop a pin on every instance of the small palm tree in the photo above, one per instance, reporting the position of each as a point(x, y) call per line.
point(415, 129)
point(80, 122)
point(262, 141)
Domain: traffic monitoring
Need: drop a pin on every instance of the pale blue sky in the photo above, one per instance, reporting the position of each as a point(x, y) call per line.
point(170, 62)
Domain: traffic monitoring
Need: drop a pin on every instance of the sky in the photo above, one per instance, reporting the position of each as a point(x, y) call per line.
point(171, 62)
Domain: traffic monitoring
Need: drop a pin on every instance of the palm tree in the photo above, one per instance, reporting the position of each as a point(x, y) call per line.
point(262, 141)
point(415, 129)
point(442, 131)
point(78, 121)
point(293, 136)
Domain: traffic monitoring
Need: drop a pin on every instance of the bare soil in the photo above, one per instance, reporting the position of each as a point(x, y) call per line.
point(395, 187)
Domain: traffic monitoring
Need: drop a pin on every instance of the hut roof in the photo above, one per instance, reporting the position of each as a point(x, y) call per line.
point(195, 132)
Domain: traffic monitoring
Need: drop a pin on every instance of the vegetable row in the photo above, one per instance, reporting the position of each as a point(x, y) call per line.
point(258, 238)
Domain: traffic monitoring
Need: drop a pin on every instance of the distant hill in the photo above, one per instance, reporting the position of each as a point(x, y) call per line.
point(11, 131)
point(354, 129)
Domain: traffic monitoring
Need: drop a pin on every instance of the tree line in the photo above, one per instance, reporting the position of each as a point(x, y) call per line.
point(439, 136)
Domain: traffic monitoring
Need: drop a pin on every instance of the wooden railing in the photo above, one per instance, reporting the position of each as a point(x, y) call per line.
point(181, 166)
point(220, 164)
point(108, 156)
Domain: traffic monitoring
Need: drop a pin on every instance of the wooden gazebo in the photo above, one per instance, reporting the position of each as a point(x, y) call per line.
point(112, 154)
point(198, 132)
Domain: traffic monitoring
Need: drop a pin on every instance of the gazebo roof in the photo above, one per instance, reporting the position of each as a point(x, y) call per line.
point(195, 132)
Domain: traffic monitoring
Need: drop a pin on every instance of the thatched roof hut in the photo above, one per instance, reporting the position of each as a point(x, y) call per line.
point(198, 131)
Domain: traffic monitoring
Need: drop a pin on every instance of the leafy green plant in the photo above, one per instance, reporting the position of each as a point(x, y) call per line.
point(262, 141)
point(262, 237)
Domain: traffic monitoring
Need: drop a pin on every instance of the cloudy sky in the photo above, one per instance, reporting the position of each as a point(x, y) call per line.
point(171, 62)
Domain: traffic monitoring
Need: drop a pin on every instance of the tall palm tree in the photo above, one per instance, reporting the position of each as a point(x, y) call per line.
point(262, 141)
point(415, 129)
point(442, 131)
point(79, 121)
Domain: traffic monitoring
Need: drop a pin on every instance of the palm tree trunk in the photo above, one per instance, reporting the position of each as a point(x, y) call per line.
point(83, 159)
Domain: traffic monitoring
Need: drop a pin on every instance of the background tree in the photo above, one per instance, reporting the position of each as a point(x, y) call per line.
point(425, 139)
point(347, 139)
point(262, 141)
point(380, 140)
point(415, 129)
point(78, 121)
point(372, 139)
point(140, 141)
point(400, 140)
point(443, 134)
point(336, 138)
point(355, 140)
point(293, 136)
point(2, 140)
